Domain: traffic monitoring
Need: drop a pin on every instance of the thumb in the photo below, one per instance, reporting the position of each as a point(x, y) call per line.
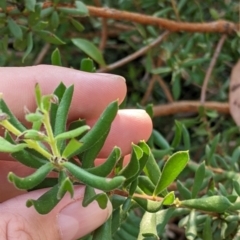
point(69, 220)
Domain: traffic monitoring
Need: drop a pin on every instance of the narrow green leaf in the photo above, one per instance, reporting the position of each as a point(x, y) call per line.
point(78, 26)
point(28, 159)
point(59, 92)
point(34, 117)
point(90, 49)
point(32, 180)
point(184, 192)
point(46, 12)
point(132, 168)
point(87, 65)
point(194, 62)
point(152, 170)
point(104, 231)
point(161, 70)
point(148, 226)
point(15, 29)
point(62, 113)
point(100, 128)
point(12, 119)
point(133, 187)
point(38, 95)
point(82, 7)
point(72, 133)
point(178, 134)
point(88, 157)
point(173, 167)
point(145, 184)
point(106, 168)
point(198, 180)
point(218, 204)
point(101, 183)
point(159, 140)
point(65, 186)
point(161, 154)
point(49, 37)
point(54, 20)
point(8, 147)
point(46, 202)
point(176, 85)
point(56, 58)
point(169, 199)
point(72, 146)
point(72, 11)
point(90, 196)
point(236, 187)
point(207, 230)
point(186, 138)
point(30, 5)
point(191, 230)
point(162, 219)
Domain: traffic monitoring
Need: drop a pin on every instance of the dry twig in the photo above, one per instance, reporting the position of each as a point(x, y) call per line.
point(42, 54)
point(211, 66)
point(135, 55)
point(188, 107)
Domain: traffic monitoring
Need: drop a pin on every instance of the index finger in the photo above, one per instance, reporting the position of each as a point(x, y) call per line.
point(92, 92)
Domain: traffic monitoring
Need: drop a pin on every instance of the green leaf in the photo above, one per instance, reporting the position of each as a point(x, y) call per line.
point(3, 4)
point(56, 58)
point(28, 159)
point(184, 192)
point(15, 29)
point(218, 204)
point(46, 12)
point(104, 231)
point(186, 138)
point(159, 140)
point(30, 5)
point(59, 92)
point(152, 170)
point(161, 70)
point(88, 157)
point(90, 196)
point(100, 127)
point(72, 133)
point(87, 65)
point(72, 11)
point(90, 49)
point(62, 114)
point(191, 230)
point(8, 147)
point(148, 226)
point(163, 217)
point(207, 230)
point(29, 46)
point(177, 135)
point(169, 199)
point(32, 180)
point(72, 146)
point(46, 202)
point(132, 168)
point(34, 117)
point(54, 20)
point(101, 183)
point(106, 168)
point(198, 180)
point(65, 186)
point(176, 85)
point(236, 187)
point(49, 37)
point(38, 95)
point(77, 24)
point(145, 184)
point(82, 7)
point(173, 167)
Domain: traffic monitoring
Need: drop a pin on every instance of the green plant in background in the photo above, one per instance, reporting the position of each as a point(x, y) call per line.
point(200, 203)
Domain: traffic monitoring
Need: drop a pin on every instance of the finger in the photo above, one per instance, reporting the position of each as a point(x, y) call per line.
point(69, 220)
point(92, 92)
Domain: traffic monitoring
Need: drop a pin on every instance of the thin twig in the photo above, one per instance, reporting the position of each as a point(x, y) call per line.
point(188, 107)
point(211, 66)
point(42, 54)
point(135, 55)
point(174, 6)
point(149, 90)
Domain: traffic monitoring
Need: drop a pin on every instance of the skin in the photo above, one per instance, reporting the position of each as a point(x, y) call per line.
point(92, 93)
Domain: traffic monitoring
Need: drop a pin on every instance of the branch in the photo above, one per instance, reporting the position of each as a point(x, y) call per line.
point(211, 66)
point(135, 55)
point(188, 107)
point(220, 26)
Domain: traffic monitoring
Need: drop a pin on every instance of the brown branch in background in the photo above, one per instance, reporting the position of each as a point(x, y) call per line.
point(42, 54)
point(188, 107)
point(211, 66)
point(135, 55)
point(220, 26)
point(104, 32)
point(165, 88)
point(149, 90)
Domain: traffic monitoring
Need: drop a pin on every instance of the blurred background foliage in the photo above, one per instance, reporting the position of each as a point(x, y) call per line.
point(179, 63)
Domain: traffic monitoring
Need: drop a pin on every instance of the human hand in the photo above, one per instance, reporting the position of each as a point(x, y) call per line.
point(93, 92)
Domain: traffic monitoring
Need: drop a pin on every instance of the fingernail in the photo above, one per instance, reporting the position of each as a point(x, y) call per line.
point(75, 221)
point(112, 76)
